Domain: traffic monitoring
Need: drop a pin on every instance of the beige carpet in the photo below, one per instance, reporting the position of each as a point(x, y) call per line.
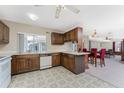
point(113, 72)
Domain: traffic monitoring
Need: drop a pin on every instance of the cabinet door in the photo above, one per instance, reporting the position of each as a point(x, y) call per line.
point(19, 65)
point(61, 39)
point(53, 38)
point(6, 34)
point(34, 62)
point(75, 34)
point(72, 35)
point(57, 38)
point(71, 60)
point(65, 61)
point(14, 66)
point(55, 59)
point(1, 32)
point(65, 37)
point(68, 36)
point(22, 65)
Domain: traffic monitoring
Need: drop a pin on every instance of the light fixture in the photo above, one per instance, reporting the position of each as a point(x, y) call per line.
point(33, 16)
point(94, 33)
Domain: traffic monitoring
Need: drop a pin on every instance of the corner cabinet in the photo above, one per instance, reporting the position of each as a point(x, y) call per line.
point(57, 38)
point(4, 33)
point(25, 63)
point(75, 34)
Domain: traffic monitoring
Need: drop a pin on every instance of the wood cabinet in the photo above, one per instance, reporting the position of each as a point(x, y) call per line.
point(68, 62)
point(57, 38)
point(24, 63)
point(73, 63)
point(122, 50)
point(4, 33)
point(75, 34)
point(56, 59)
point(67, 37)
point(65, 60)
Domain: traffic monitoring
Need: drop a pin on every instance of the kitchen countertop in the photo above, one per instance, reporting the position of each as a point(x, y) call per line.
point(47, 52)
point(51, 52)
point(76, 53)
point(4, 57)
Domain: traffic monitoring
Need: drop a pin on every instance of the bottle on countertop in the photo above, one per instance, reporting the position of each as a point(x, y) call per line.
point(74, 46)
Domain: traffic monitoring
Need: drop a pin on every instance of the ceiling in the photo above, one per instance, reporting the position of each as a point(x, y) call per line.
point(103, 18)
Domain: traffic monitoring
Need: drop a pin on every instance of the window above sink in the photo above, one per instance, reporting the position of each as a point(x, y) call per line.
point(32, 42)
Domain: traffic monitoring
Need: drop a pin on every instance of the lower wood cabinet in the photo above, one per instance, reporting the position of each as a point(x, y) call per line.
point(68, 62)
point(71, 62)
point(25, 63)
point(56, 59)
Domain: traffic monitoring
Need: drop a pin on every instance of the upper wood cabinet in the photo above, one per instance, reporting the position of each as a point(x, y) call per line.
point(57, 38)
point(4, 33)
point(24, 63)
point(67, 36)
point(75, 34)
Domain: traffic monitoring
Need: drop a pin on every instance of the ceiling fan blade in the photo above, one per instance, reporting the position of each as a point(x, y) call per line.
point(72, 8)
point(58, 11)
point(37, 5)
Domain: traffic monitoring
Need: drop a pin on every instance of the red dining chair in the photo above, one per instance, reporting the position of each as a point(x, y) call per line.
point(84, 50)
point(93, 55)
point(102, 57)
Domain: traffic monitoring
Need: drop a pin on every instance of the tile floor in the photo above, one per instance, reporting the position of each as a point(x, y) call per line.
point(57, 77)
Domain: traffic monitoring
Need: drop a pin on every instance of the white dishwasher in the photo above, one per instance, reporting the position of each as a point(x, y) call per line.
point(45, 61)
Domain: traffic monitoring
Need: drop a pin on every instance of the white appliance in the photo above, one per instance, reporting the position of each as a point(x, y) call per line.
point(5, 71)
point(45, 61)
point(74, 46)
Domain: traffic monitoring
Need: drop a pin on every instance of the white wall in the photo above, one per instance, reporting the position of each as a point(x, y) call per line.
point(99, 45)
point(96, 44)
point(86, 41)
point(17, 27)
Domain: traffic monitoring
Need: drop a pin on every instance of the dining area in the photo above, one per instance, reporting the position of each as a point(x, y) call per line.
point(93, 57)
point(104, 61)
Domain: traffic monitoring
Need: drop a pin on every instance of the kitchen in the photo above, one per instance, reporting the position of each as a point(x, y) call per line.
point(25, 61)
point(46, 50)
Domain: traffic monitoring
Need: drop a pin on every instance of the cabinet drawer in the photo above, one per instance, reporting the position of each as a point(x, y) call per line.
point(26, 56)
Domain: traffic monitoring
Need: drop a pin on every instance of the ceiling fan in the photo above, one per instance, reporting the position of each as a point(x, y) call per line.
point(59, 8)
point(69, 7)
